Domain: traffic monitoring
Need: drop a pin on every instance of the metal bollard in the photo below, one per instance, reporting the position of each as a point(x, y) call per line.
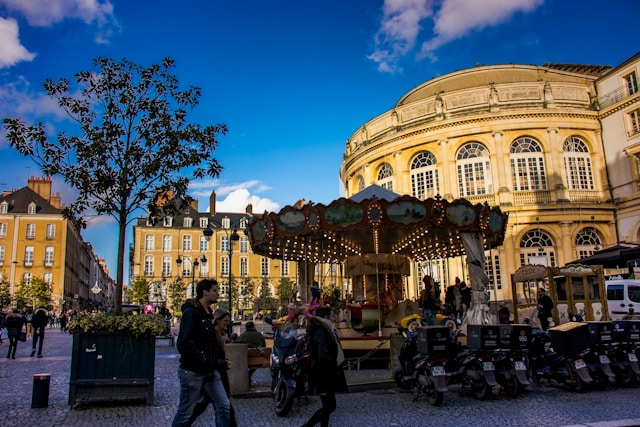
point(40, 393)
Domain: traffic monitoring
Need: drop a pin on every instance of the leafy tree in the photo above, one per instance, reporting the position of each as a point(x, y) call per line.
point(133, 145)
point(266, 300)
point(177, 294)
point(34, 294)
point(286, 289)
point(139, 291)
point(5, 297)
point(246, 293)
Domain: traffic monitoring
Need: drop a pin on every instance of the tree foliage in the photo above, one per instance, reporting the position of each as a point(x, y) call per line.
point(34, 294)
point(5, 296)
point(266, 301)
point(139, 291)
point(286, 290)
point(177, 291)
point(133, 144)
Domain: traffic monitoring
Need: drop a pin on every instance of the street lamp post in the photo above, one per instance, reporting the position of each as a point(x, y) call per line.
point(194, 265)
point(232, 238)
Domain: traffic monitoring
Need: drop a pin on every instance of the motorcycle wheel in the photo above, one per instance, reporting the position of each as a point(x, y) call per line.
point(481, 390)
point(512, 387)
point(400, 382)
point(283, 398)
point(579, 386)
point(600, 381)
point(626, 378)
point(434, 397)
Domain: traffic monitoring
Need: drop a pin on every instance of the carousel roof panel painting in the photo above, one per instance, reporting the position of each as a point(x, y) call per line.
point(377, 224)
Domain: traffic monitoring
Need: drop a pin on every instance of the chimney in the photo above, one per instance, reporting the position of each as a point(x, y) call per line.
point(42, 186)
point(249, 209)
point(194, 204)
point(212, 203)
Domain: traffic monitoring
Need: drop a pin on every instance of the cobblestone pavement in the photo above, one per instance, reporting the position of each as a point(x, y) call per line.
point(373, 400)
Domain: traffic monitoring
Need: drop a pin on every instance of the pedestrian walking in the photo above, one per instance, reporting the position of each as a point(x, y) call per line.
point(201, 360)
point(545, 305)
point(15, 322)
point(39, 322)
point(63, 321)
point(326, 375)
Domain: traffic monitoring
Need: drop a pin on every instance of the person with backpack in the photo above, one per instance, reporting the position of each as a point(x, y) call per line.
point(39, 322)
point(326, 375)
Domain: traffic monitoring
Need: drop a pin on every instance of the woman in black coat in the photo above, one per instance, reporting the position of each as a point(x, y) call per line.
point(324, 377)
point(14, 323)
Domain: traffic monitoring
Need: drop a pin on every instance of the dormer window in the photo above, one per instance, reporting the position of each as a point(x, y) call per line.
point(243, 223)
point(31, 210)
point(4, 207)
point(226, 223)
point(151, 221)
point(168, 221)
point(204, 222)
point(187, 222)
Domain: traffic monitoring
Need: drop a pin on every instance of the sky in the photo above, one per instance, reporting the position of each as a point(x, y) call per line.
point(292, 79)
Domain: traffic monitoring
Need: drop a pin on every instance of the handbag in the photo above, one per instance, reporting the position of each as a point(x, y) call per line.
point(22, 337)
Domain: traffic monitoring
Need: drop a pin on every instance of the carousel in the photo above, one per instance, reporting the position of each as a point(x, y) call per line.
point(373, 236)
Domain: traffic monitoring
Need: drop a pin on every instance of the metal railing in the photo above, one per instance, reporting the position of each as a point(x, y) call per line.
point(615, 96)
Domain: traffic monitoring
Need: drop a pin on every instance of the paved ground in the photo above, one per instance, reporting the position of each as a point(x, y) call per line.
point(372, 401)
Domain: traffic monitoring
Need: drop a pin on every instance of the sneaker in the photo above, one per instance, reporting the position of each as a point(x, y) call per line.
point(39, 356)
point(33, 353)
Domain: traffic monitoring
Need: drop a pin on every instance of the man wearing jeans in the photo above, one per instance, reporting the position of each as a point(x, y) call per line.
point(201, 360)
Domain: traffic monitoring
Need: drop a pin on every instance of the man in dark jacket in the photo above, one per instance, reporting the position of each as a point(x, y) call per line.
point(201, 359)
point(14, 323)
point(39, 322)
point(545, 305)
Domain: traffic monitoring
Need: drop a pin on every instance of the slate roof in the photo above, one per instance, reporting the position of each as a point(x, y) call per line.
point(20, 200)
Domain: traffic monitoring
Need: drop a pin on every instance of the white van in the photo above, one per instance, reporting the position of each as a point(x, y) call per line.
point(622, 295)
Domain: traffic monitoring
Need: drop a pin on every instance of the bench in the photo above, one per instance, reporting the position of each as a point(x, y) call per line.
point(169, 337)
point(259, 357)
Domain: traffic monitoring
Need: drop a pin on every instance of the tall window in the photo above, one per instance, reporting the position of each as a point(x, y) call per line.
point(244, 244)
point(492, 270)
point(586, 242)
point(1, 255)
point(537, 243)
point(31, 231)
point(474, 170)
point(28, 256)
point(3, 229)
point(186, 243)
point(264, 266)
point(424, 176)
point(634, 122)
point(204, 244)
point(26, 277)
point(166, 243)
point(285, 268)
point(224, 266)
point(244, 267)
point(48, 256)
point(632, 82)
point(224, 244)
point(385, 176)
point(149, 242)
point(187, 267)
point(51, 231)
point(577, 164)
point(527, 165)
point(4, 207)
point(166, 266)
point(47, 277)
point(148, 265)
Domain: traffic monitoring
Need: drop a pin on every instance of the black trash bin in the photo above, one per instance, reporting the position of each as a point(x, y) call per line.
point(40, 393)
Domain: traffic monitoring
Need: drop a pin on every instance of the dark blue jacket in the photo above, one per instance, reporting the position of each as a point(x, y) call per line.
point(199, 348)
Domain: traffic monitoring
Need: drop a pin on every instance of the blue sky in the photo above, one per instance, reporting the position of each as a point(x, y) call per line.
point(292, 79)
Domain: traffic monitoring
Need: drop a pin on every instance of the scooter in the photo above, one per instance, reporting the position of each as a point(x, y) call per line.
point(511, 371)
point(569, 371)
point(287, 373)
point(599, 365)
point(474, 368)
point(419, 371)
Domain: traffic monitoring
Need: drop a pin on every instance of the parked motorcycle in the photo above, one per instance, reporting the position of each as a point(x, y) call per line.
point(511, 371)
point(287, 366)
point(474, 368)
point(565, 369)
point(421, 369)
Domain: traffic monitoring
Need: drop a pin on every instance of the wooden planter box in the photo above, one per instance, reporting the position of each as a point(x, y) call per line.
point(108, 367)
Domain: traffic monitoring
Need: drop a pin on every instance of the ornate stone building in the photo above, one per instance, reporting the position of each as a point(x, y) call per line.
point(525, 138)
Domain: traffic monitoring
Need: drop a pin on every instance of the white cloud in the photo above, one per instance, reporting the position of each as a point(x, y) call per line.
point(43, 13)
point(238, 195)
point(11, 50)
point(457, 18)
point(403, 20)
point(398, 31)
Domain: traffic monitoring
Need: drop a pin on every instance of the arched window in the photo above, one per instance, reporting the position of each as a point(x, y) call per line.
point(577, 164)
point(385, 176)
point(534, 244)
point(587, 241)
point(474, 170)
point(527, 165)
point(424, 176)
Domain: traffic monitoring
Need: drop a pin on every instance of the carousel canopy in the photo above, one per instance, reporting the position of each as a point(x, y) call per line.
point(402, 225)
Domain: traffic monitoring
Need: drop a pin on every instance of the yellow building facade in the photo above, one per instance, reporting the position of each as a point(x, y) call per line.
point(525, 138)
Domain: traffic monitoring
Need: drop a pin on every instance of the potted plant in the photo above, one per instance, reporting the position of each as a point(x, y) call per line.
point(113, 356)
